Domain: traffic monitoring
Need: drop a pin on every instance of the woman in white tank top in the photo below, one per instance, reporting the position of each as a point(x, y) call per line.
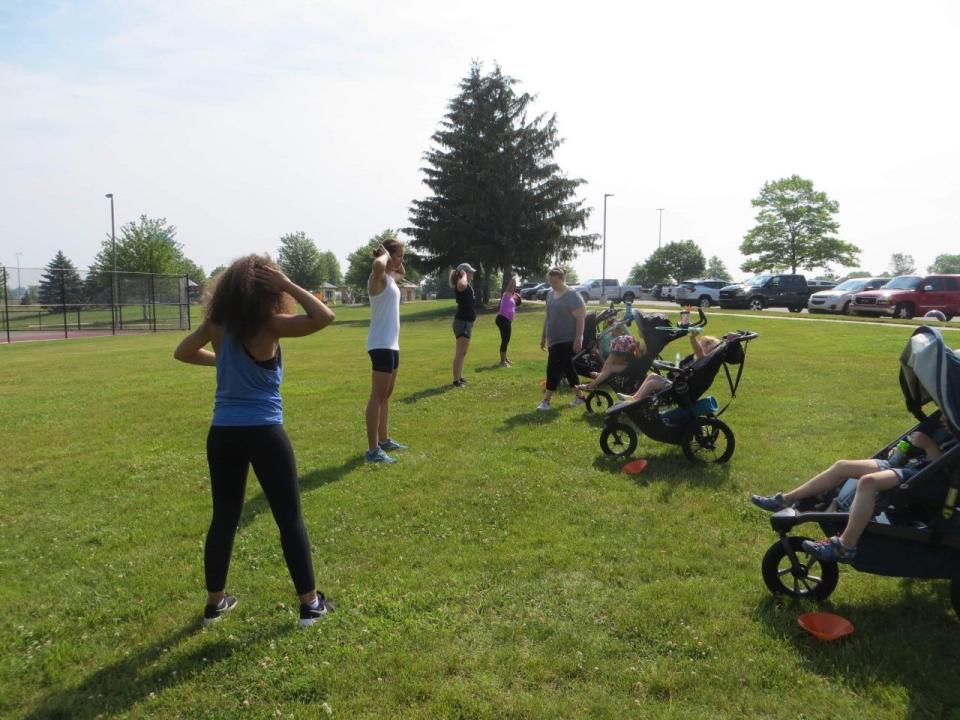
point(383, 346)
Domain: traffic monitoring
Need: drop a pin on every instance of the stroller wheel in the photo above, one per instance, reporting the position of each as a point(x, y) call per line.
point(618, 440)
point(598, 401)
point(710, 441)
point(811, 578)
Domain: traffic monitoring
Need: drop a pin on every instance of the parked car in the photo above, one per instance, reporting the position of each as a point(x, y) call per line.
point(820, 284)
point(542, 291)
point(608, 289)
point(839, 298)
point(663, 291)
point(909, 295)
point(789, 291)
point(700, 292)
point(531, 292)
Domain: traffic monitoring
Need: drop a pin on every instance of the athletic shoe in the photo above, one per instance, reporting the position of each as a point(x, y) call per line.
point(578, 401)
point(391, 444)
point(458, 383)
point(378, 456)
point(770, 503)
point(830, 550)
point(309, 614)
point(212, 613)
point(463, 381)
point(544, 405)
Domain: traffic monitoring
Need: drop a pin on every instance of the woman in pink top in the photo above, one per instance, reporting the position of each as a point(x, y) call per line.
point(508, 308)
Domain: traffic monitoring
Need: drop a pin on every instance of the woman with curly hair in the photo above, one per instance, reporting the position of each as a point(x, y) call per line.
point(249, 307)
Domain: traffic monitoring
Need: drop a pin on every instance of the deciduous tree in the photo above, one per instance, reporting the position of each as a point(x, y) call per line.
point(902, 264)
point(795, 229)
point(674, 261)
point(945, 264)
point(717, 270)
point(300, 259)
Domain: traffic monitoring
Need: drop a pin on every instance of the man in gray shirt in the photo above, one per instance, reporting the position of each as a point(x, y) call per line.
point(562, 336)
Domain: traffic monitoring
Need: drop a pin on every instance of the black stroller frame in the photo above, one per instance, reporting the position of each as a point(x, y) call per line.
point(915, 531)
point(694, 422)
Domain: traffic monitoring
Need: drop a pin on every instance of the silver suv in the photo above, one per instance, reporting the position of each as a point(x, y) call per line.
point(700, 292)
point(838, 299)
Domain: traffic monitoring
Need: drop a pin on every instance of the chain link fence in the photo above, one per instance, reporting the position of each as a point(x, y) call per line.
point(43, 304)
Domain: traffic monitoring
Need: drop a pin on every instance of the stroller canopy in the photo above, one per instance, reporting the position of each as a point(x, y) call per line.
point(930, 371)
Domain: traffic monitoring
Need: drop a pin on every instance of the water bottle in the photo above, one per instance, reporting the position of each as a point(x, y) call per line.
point(677, 360)
point(628, 313)
point(898, 456)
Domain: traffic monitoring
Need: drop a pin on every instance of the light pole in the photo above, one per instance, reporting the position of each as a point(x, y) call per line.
point(603, 272)
point(18, 254)
point(660, 228)
point(113, 281)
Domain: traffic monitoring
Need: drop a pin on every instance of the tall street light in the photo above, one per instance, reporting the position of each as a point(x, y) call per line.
point(660, 228)
point(113, 282)
point(603, 279)
point(18, 254)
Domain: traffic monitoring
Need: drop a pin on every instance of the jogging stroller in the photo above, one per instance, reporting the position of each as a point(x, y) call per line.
point(656, 332)
point(915, 531)
point(681, 414)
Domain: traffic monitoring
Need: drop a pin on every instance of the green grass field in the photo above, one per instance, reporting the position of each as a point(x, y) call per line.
point(502, 568)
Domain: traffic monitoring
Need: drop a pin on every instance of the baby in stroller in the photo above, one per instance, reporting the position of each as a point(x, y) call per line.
point(654, 383)
point(874, 476)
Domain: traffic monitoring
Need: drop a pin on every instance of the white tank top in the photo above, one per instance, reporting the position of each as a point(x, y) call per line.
point(384, 333)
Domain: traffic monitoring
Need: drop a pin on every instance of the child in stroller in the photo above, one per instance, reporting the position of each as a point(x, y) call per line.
point(655, 383)
point(914, 529)
point(625, 367)
point(873, 477)
point(692, 420)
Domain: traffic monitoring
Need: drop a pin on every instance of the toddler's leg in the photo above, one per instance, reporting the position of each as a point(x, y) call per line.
point(864, 503)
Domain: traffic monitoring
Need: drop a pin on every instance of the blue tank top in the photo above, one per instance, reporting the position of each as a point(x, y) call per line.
point(248, 392)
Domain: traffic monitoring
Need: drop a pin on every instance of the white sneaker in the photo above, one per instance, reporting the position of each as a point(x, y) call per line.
point(544, 405)
point(578, 401)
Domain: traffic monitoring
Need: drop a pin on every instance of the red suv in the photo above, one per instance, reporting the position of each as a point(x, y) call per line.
point(909, 295)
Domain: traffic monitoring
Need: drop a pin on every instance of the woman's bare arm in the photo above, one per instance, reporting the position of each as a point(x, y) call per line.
point(192, 348)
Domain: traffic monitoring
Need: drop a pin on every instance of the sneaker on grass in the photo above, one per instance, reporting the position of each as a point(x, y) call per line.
point(544, 405)
point(770, 503)
point(578, 401)
point(391, 444)
point(212, 613)
point(378, 456)
point(830, 549)
point(309, 614)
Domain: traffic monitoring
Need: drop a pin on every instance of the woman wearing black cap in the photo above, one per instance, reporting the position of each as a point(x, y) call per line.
point(460, 280)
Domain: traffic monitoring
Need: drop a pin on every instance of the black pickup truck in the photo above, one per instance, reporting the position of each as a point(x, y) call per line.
point(789, 291)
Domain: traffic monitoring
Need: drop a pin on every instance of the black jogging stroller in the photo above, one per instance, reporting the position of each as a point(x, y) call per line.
point(655, 330)
point(915, 531)
point(682, 414)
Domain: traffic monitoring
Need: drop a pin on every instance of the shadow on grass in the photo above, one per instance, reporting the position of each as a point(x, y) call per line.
point(488, 368)
point(667, 467)
point(534, 417)
point(310, 481)
point(905, 643)
point(427, 393)
point(115, 688)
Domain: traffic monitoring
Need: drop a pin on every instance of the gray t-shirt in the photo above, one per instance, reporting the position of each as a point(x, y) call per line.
point(561, 324)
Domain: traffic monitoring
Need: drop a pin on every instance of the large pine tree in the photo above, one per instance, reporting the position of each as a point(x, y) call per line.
point(60, 283)
point(499, 200)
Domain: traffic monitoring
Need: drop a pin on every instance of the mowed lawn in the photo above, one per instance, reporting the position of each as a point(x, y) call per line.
point(502, 568)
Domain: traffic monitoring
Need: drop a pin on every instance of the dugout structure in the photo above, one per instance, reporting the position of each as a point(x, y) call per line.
point(52, 303)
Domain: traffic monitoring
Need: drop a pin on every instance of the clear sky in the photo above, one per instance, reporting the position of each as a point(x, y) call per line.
point(241, 121)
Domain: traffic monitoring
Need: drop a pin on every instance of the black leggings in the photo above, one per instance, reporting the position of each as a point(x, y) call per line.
point(506, 326)
point(230, 452)
point(560, 363)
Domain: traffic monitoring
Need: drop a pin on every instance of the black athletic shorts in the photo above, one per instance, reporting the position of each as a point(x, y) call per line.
point(384, 360)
